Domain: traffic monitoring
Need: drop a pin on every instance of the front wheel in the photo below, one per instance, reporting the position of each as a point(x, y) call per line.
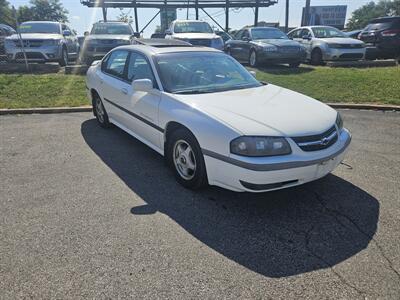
point(294, 65)
point(64, 58)
point(186, 159)
point(316, 57)
point(253, 58)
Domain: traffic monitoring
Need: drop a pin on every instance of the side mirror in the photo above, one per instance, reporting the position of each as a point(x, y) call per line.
point(253, 73)
point(66, 33)
point(246, 39)
point(306, 37)
point(142, 85)
point(168, 32)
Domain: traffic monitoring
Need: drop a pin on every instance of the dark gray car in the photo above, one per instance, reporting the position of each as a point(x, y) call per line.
point(5, 31)
point(259, 45)
point(104, 37)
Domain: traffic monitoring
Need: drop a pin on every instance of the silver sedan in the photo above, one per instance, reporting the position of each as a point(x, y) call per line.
point(325, 43)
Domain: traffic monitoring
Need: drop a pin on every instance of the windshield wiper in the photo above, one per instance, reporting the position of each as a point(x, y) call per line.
point(185, 92)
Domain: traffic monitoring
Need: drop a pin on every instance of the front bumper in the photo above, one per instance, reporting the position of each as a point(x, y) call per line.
point(262, 174)
point(333, 54)
point(37, 54)
point(281, 58)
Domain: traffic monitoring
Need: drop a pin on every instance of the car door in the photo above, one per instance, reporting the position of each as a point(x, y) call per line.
point(74, 41)
point(306, 42)
point(245, 45)
point(114, 86)
point(234, 44)
point(143, 105)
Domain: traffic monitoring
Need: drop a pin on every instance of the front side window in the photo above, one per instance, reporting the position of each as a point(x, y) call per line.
point(104, 28)
point(267, 33)
point(327, 32)
point(39, 27)
point(202, 72)
point(187, 27)
point(115, 63)
point(139, 68)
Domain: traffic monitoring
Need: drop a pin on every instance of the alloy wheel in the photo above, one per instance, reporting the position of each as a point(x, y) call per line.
point(184, 160)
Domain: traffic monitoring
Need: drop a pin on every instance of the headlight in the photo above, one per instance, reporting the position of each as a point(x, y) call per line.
point(339, 121)
point(270, 48)
point(260, 146)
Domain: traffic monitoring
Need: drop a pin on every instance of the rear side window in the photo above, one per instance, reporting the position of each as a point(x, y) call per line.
point(115, 63)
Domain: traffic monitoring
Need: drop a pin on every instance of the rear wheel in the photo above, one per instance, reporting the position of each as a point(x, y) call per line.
point(294, 65)
point(186, 159)
point(100, 112)
point(253, 58)
point(316, 57)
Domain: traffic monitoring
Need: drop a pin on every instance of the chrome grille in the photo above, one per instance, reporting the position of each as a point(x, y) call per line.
point(318, 141)
point(29, 43)
point(200, 42)
point(289, 49)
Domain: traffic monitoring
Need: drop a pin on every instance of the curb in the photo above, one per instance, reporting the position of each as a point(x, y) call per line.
point(56, 110)
point(47, 110)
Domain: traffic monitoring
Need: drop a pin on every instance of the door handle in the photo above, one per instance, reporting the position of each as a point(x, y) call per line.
point(124, 91)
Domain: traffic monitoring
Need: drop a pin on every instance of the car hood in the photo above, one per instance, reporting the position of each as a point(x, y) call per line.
point(266, 110)
point(277, 42)
point(341, 41)
point(108, 37)
point(195, 35)
point(37, 36)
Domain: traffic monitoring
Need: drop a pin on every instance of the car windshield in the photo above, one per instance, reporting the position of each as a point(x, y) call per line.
point(185, 27)
point(202, 72)
point(39, 28)
point(267, 33)
point(104, 28)
point(327, 32)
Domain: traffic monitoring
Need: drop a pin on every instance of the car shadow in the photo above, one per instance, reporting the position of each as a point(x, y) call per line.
point(276, 234)
point(284, 70)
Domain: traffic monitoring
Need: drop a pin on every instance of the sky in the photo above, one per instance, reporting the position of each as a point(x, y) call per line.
point(81, 17)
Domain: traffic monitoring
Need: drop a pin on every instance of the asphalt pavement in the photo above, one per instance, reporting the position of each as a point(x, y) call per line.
point(88, 212)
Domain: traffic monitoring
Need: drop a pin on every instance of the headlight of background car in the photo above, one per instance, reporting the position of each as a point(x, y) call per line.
point(260, 146)
point(217, 43)
point(339, 121)
point(270, 48)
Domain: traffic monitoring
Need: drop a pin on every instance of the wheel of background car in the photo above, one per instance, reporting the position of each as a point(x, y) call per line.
point(316, 57)
point(185, 158)
point(100, 112)
point(64, 58)
point(253, 59)
point(294, 65)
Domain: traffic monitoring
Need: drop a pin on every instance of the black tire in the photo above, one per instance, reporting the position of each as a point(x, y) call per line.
point(316, 57)
point(64, 58)
point(100, 112)
point(253, 63)
point(294, 65)
point(198, 177)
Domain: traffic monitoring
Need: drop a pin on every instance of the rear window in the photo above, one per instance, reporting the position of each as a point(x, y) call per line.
point(382, 24)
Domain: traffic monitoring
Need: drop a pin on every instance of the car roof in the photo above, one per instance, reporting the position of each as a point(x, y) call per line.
point(151, 50)
point(45, 22)
point(192, 21)
point(395, 18)
point(161, 42)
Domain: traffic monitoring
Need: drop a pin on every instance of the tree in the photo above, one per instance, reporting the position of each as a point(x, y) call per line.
point(124, 17)
point(6, 13)
point(43, 10)
point(360, 17)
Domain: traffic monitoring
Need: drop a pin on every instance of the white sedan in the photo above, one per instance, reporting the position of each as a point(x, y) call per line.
point(213, 121)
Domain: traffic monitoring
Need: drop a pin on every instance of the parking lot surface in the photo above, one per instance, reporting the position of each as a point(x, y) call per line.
point(93, 213)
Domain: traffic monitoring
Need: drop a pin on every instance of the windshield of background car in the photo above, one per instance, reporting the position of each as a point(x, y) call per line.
point(185, 27)
point(202, 72)
point(39, 28)
point(327, 32)
point(103, 28)
point(267, 33)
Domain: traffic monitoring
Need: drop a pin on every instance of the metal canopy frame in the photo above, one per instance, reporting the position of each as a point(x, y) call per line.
point(175, 4)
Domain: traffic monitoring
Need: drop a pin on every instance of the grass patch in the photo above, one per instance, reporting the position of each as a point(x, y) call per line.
point(347, 85)
point(370, 85)
point(52, 90)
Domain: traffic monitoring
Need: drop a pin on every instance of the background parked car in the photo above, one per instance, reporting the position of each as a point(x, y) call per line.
point(353, 34)
point(224, 35)
point(382, 37)
point(158, 35)
point(43, 42)
point(5, 31)
point(198, 33)
point(325, 43)
point(104, 37)
point(258, 45)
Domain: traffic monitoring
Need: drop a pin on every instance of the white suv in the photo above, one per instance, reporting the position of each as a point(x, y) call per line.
point(197, 33)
